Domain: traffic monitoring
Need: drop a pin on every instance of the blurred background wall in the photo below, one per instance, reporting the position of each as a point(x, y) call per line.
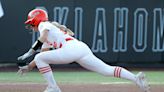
point(126, 32)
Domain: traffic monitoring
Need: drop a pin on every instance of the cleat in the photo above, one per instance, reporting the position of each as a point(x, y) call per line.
point(52, 89)
point(142, 82)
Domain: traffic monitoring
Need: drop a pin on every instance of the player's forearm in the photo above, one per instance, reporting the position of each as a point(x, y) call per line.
point(31, 65)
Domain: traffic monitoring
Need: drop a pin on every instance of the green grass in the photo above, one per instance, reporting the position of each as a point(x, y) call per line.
point(154, 77)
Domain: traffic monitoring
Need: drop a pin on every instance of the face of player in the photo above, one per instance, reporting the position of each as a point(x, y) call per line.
point(30, 27)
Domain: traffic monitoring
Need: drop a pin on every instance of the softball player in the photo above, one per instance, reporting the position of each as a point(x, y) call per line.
point(68, 50)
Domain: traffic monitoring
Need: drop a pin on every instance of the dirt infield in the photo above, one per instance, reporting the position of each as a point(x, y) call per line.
point(16, 87)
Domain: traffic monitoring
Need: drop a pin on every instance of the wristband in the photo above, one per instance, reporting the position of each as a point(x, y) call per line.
point(37, 45)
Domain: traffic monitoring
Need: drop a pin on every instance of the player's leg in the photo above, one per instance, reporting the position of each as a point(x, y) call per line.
point(47, 73)
point(63, 55)
point(70, 52)
point(93, 63)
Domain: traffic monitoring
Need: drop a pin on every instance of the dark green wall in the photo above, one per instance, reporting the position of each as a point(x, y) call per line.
point(117, 31)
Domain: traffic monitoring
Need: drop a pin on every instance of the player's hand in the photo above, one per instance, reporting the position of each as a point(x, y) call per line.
point(23, 70)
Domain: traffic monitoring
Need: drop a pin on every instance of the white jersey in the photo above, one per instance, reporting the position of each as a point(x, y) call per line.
point(55, 38)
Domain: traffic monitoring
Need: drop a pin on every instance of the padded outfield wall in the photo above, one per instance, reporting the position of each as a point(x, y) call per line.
point(117, 31)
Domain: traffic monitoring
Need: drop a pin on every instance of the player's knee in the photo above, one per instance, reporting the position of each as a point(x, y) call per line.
point(38, 58)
